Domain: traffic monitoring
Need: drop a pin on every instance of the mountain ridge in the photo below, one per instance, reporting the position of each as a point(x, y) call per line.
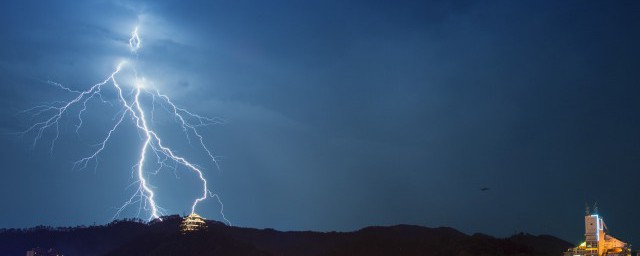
point(133, 237)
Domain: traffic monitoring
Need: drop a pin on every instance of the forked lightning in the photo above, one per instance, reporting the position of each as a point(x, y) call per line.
point(132, 108)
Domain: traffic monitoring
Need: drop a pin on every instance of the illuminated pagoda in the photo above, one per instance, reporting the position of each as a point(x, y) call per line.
point(597, 240)
point(192, 223)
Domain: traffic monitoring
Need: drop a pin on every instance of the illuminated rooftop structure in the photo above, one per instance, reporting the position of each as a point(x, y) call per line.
point(192, 223)
point(597, 240)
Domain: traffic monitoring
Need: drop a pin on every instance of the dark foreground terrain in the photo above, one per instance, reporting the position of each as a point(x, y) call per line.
point(163, 238)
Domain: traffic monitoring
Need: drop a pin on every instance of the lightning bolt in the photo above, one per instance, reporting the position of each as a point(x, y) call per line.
point(133, 109)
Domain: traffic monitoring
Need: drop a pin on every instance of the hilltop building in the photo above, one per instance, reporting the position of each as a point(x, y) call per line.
point(597, 240)
point(192, 223)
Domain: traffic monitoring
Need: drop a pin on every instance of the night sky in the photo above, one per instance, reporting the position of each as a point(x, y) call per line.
point(339, 114)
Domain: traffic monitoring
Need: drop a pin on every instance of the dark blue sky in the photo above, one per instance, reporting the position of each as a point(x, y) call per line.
point(341, 114)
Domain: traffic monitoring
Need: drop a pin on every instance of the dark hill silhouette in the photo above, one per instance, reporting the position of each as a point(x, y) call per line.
point(132, 237)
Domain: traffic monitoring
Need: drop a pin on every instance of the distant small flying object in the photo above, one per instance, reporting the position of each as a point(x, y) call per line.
point(484, 189)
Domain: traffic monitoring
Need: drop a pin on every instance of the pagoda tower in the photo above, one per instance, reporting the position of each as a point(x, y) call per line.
point(193, 222)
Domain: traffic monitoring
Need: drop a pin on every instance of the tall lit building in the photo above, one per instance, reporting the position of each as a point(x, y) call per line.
point(193, 222)
point(597, 240)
